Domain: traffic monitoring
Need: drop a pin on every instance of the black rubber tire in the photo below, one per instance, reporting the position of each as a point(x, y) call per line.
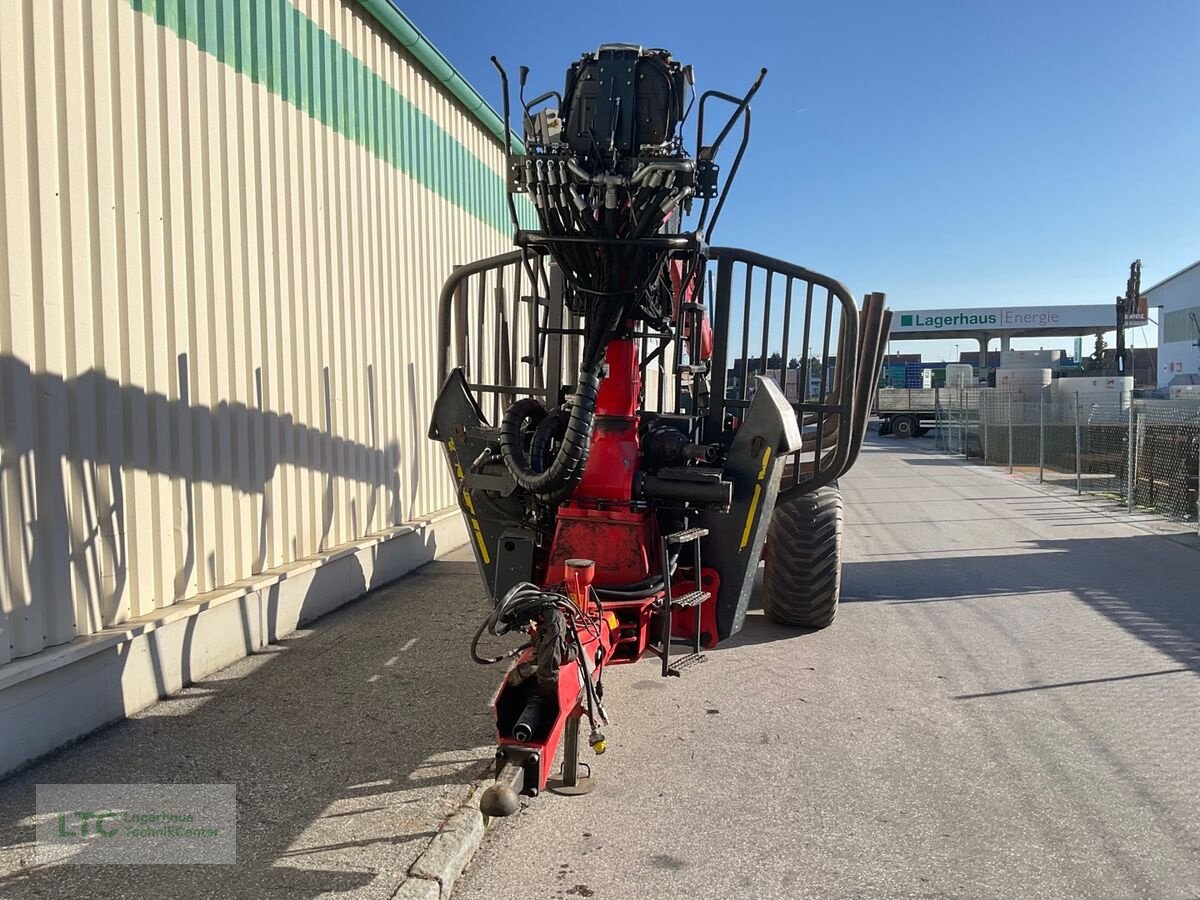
point(921, 431)
point(803, 576)
point(885, 427)
point(904, 427)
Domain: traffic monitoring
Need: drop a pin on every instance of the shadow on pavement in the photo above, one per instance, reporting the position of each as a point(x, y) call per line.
point(758, 629)
point(941, 461)
point(349, 742)
point(1145, 584)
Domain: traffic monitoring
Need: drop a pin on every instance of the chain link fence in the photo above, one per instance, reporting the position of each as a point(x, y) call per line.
point(956, 420)
point(1142, 453)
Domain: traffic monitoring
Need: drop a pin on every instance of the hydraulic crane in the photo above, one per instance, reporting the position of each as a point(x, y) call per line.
point(624, 453)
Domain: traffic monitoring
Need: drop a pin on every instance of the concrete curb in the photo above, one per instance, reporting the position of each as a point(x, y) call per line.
point(437, 869)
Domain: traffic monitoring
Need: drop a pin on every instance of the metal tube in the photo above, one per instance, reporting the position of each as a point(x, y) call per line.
point(666, 609)
point(532, 719)
point(962, 419)
point(570, 766)
point(446, 303)
point(1130, 452)
point(953, 423)
point(1078, 450)
point(699, 570)
point(1042, 437)
point(666, 165)
point(872, 336)
point(956, 418)
point(983, 429)
point(766, 337)
point(939, 438)
point(707, 492)
point(805, 351)
point(787, 321)
point(508, 160)
point(743, 386)
point(1010, 434)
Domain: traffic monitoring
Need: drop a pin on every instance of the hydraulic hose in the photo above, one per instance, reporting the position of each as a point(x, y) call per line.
point(549, 429)
point(642, 589)
point(512, 431)
point(572, 454)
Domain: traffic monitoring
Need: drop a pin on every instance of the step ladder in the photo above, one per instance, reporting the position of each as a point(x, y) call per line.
point(690, 600)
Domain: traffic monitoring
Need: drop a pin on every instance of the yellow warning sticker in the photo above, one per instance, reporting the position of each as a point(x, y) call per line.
point(762, 473)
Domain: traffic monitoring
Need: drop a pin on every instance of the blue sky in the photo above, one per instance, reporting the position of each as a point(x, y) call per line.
point(949, 153)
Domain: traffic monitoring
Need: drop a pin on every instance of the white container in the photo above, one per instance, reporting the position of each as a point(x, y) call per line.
point(791, 383)
point(927, 378)
point(1030, 359)
point(1185, 392)
point(960, 375)
point(1108, 388)
point(1024, 381)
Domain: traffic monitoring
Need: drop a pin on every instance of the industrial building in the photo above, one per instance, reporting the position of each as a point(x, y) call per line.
point(223, 231)
point(1178, 300)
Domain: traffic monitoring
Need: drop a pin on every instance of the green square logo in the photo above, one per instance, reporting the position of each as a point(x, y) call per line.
point(906, 321)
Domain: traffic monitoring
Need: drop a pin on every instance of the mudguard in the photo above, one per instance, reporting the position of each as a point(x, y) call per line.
point(735, 539)
point(458, 424)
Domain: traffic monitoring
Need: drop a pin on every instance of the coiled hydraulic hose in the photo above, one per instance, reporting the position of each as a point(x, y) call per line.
point(551, 428)
point(560, 476)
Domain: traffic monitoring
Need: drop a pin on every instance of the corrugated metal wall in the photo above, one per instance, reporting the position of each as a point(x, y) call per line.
point(223, 228)
point(1179, 324)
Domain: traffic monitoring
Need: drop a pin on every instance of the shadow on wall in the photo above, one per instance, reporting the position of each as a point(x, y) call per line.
point(51, 426)
point(347, 743)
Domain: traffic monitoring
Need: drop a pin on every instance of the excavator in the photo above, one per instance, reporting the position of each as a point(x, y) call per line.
point(634, 418)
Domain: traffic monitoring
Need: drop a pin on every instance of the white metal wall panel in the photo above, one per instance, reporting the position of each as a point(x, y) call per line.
point(1178, 337)
point(220, 255)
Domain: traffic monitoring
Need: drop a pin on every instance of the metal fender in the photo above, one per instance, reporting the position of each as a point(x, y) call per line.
point(735, 539)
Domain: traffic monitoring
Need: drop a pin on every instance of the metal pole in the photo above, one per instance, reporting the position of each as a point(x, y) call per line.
point(570, 768)
point(1010, 435)
point(951, 422)
point(1079, 451)
point(1130, 452)
point(939, 438)
point(984, 421)
point(962, 442)
point(948, 425)
point(962, 426)
point(954, 415)
point(1042, 437)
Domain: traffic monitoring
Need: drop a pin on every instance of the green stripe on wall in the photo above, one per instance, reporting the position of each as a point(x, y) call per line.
point(275, 45)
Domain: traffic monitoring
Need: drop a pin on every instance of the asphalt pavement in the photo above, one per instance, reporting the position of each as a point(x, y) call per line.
point(351, 742)
point(1008, 705)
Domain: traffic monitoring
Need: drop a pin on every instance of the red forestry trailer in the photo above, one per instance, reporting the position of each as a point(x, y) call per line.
point(621, 463)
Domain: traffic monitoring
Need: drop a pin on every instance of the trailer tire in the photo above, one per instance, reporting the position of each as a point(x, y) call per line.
point(803, 576)
point(904, 427)
point(885, 427)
